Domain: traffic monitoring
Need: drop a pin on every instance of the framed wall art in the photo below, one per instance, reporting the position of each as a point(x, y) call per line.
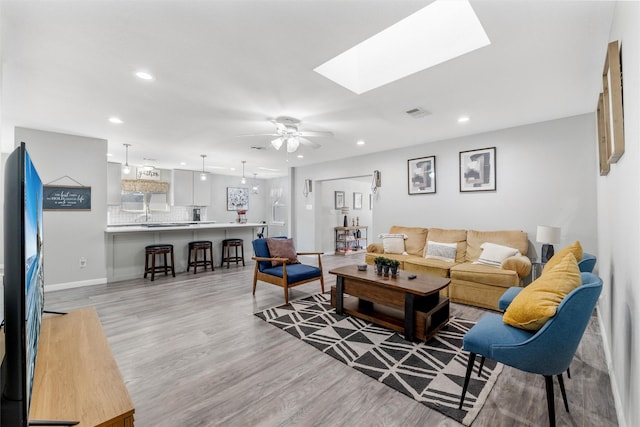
point(478, 170)
point(612, 94)
point(421, 175)
point(603, 143)
point(237, 199)
point(339, 199)
point(357, 200)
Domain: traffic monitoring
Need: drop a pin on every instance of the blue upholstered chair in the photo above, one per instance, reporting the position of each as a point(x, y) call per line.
point(548, 351)
point(586, 265)
point(285, 275)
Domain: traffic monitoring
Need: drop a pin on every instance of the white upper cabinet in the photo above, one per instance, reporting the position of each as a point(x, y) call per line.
point(113, 183)
point(189, 190)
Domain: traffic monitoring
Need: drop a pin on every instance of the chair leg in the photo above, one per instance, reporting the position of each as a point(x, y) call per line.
point(286, 294)
point(548, 381)
point(242, 251)
point(146, 265)
point(481, 366)
point(564, 393)
point(255, 277)
point(195, 261)
point(189, 259)
point(166, 269)
point(153, 267)
point(569, 372)
point(173, 265)
point(472, 359)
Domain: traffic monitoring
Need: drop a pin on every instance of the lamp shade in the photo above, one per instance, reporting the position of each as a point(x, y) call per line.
point(546, 234)
point(345, 210)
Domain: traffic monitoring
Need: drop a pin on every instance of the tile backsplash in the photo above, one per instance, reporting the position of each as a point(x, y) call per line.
point(115, 215)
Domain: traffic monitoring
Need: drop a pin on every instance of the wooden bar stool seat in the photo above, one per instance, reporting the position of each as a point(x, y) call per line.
point(151, 253)
point(194, 248)
point(227, 244)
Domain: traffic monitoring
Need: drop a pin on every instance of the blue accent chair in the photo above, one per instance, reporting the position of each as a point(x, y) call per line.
point(548, 351)
point(286, 275)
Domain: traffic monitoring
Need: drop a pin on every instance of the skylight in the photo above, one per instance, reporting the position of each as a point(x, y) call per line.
point(435, 34)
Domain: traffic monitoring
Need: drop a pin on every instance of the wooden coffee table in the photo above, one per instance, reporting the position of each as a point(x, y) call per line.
point(412, 307)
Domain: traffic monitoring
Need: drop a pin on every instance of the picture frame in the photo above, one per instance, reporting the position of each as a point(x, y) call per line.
point(338, 199)
point(357, 201)
point(612, 94)
point(421, 175)
point(603, 142)
point(478, 170)
point(237, 199)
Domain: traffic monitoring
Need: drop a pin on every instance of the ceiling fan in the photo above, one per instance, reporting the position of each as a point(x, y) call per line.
point(289, 135)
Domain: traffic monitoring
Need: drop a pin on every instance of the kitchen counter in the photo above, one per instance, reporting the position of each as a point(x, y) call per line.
point(170, 226)
point(125, 243)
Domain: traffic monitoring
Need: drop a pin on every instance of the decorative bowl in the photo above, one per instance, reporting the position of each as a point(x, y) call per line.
point(362, 267)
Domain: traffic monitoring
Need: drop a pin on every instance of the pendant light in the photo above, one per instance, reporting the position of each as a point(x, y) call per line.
point(126, 169)
point(243, 180)
point(203, 174)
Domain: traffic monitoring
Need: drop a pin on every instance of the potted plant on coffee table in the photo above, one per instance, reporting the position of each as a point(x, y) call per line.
point(394, 264)
point(379, 263)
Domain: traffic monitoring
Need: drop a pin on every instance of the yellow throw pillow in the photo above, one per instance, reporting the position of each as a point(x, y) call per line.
point(538, 302)
point(575, 248)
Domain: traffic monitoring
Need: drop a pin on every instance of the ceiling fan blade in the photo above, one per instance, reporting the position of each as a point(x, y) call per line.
point(277, 143)
point(292, 144)
point(309, 143)
point(325, 134)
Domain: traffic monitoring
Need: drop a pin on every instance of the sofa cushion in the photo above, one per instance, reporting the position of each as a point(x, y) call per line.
point(441, 251)
point(282, 248)
point(493, 254)
point(511, 238)
point(575, 248)
point(485, 274)
point(428, 266)
point(450, 236)
point(295, 272)
point(393, 243)
point(416, 238)
point(538, 302)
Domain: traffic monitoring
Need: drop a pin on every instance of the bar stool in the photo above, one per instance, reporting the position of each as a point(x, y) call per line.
point(151, 251)
point(200, 245)
point(226, 255)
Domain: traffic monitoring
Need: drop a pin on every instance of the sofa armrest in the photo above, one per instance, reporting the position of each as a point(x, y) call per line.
point(375, 248)
point(518, 263)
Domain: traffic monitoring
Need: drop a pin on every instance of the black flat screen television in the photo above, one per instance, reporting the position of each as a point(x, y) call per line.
point(23, 284)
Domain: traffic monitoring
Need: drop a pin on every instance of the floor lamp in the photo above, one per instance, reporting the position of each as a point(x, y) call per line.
point(547, 236)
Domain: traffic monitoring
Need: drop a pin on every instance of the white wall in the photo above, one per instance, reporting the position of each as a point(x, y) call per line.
point(545, 175)
point(619, 230)
point(218, 212)
point(69, 235)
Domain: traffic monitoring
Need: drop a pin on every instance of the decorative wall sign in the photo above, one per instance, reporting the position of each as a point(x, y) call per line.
point(422, 175)
point(149, 174)
point(59, 197)
point(478, 170)
point(237, 199)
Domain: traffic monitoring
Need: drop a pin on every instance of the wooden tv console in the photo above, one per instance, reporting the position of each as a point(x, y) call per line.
point(76, 376)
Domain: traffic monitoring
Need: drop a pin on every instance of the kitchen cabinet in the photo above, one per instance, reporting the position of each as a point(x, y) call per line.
point(113, 183)
point(188, 189)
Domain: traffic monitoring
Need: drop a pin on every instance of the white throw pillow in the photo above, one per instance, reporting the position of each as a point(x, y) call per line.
point(441, 251)
point(493, 254)
point(393, 243)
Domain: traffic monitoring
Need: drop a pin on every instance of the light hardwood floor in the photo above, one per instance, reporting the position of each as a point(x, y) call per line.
point(193, 354)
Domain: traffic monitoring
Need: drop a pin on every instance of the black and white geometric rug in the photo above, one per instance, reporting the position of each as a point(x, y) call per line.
point(431, 373)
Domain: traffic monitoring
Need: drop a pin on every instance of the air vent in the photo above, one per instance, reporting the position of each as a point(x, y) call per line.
point(256, 147)
point(417, 112)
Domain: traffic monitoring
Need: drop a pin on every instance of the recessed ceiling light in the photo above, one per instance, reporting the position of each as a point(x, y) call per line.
point(441, 31)
point(115, 120)
point(144, 75)
point(232, 169)
point(463, 119)
point(109, 155)
point(300, 156)
point(360, 142)
point(183, 163)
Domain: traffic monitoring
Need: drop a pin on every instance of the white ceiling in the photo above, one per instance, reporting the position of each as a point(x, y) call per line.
point(223, 68)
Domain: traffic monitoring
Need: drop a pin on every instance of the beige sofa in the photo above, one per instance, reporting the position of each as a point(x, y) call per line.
point(474, 284)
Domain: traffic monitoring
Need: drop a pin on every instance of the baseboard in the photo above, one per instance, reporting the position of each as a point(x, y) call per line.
point(71, 285)
point(614, 385)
